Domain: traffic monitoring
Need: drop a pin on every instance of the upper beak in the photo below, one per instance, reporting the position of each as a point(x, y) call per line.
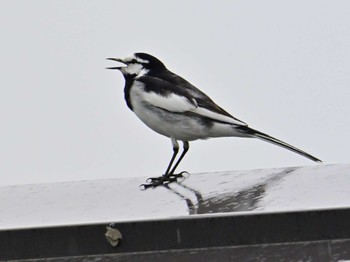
point(118, 60)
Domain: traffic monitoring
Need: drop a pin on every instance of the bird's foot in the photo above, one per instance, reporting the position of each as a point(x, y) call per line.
point(164, 180)
point(169, 178)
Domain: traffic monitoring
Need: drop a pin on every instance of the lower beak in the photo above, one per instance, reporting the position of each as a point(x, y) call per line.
point(118, 60)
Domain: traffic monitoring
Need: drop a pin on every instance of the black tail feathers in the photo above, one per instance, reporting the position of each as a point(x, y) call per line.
point(255, 133)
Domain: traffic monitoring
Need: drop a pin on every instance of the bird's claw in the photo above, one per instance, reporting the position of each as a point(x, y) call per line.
point(184, 174)
point(152, 180)
point(144, 186)
point(180, 177)
point(164, 180)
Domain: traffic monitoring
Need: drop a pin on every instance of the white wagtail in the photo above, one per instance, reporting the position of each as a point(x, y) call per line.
point(171, 106)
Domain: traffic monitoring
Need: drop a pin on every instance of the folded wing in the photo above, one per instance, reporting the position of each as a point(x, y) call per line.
point(181, 99)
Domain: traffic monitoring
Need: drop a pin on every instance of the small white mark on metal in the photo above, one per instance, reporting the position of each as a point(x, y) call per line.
point(178, 236)
point(113, 235)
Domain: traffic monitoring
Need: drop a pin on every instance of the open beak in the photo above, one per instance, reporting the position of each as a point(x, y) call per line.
point(118, 60)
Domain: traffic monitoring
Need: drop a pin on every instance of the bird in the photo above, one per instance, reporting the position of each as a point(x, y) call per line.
point(173, 107)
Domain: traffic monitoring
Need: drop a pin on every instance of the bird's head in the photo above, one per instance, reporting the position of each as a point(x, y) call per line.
point(138, 64)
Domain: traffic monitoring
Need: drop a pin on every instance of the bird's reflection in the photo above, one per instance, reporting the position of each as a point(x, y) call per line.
point(244, 200)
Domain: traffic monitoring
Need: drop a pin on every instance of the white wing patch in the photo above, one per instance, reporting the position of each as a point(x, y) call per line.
point(180, 104)
point(172, 102)
point(216, 116)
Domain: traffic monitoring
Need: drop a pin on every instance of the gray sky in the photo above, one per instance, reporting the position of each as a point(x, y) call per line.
point(282, 67)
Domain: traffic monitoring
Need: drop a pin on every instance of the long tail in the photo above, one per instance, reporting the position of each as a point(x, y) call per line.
point(270, 139)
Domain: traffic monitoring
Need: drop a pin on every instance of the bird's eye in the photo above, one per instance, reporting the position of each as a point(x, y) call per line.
point(134, 61)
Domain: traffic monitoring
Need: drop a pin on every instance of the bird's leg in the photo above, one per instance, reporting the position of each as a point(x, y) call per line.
point(175, 151)
point(171, 175)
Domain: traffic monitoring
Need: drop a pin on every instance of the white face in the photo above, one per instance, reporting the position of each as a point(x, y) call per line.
point(134, 66)
point(132, 69)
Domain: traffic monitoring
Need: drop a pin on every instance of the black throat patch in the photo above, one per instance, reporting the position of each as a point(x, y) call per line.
point(129, 80)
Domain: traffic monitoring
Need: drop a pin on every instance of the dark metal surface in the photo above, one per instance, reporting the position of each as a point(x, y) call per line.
point(300, 251)
point(320, 235)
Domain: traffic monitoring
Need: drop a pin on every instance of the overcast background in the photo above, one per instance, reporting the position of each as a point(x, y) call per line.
point(281, 66)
